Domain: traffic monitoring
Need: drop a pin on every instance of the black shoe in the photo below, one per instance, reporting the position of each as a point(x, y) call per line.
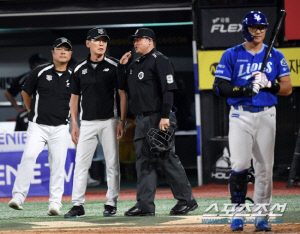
point(134, 211)
point(109, 211)
point(183, 209)
point(75, 212)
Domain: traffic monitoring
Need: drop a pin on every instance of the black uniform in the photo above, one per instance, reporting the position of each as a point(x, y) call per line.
point(147, 78)
point(51, 95)
point(14, 89)
point(98, 97)
point(16, 86)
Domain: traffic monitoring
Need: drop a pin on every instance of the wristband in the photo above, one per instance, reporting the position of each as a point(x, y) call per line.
point(123, 121)
point(274, 88)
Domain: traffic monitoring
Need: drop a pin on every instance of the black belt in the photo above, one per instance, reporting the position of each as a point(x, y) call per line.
point(252, 108)
point(147, 113)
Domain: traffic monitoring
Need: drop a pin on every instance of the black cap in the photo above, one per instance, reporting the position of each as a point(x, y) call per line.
point(143, 32)
point(60, 41)
point(95, 33)
point(37, 58)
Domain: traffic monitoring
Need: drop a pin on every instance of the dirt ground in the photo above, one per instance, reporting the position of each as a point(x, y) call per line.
point(207, 229)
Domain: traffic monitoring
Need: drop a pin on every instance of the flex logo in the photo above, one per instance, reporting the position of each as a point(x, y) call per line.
point(222, 25)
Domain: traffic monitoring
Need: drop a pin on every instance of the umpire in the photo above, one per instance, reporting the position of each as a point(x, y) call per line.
point(150, 82)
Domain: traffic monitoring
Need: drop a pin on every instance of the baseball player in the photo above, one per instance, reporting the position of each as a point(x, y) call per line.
point(46, 94)
point(16, 87)
point(252, 96)
point(151, 84)
point(94, 85)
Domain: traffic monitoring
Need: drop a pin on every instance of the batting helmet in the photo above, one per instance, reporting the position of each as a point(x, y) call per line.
point(161, 141)
point(252, 18)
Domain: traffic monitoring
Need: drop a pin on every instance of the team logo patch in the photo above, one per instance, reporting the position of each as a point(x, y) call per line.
point(100, 31)
point(170, 79)
point(67, 83)
point(48, 77)
point(130, 71)
point(136, 31)
point(235, 115)
point(141, 75)
point(106, 69)
point(64, 40)
point(283, 62)
point(84, 71)
point(257, 17)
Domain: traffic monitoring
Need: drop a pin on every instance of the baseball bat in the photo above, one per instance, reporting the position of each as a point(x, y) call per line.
point(273, 37)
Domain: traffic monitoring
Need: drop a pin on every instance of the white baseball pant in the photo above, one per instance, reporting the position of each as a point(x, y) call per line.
point(57, 139)
point(90, 133)
point(254, 134)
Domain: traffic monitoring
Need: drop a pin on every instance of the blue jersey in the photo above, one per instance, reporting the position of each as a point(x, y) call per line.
point(237, 65)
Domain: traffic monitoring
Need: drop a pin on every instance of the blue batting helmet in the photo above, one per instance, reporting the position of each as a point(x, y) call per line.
point(253, 17)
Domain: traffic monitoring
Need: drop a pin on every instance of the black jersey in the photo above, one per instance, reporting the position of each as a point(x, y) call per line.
point(16, 86)
point(97, 88)
point(51, 95)
point(147, 78)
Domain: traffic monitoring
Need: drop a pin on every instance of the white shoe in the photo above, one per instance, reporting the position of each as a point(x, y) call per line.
point(15, 204)
point(53, 209)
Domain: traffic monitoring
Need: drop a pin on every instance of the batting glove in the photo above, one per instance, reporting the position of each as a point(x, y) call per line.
point(250, 89)
point(255, 88)
point(262, 80)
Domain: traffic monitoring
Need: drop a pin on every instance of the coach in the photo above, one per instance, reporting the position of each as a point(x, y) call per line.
point(46, 94)
point(94, 86)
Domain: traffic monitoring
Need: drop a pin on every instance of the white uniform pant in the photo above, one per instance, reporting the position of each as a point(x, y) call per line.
point(254, 134)
point(90, 133)
point(57, 139)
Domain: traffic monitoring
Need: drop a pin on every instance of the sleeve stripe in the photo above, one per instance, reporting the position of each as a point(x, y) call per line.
point(45, 69)
point(223, 77)
point(110, 61)
point(79, 66)
point(284, 74)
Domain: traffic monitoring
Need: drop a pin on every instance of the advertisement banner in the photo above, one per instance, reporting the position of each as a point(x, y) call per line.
point(209, 60)
point(291, 23)
point(12, 145)
point(207, 66)
point(292, 56)
point(11, 141)
point(222, 28)
point(39, 185)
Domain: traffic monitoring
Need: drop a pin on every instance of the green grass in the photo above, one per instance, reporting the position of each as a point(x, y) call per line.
point(37, 212)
